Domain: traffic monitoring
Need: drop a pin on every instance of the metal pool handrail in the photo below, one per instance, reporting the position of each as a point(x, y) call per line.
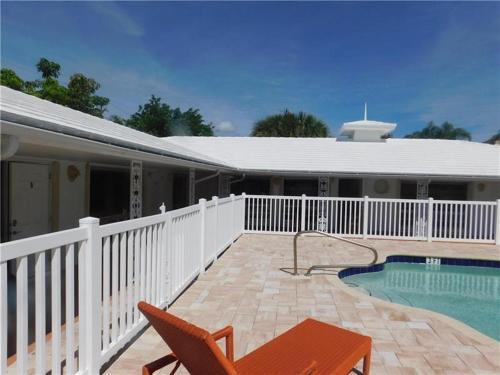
point(308, 273)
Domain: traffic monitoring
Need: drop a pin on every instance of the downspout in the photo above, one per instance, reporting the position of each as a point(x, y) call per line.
point(207, 177)
point(238, 180)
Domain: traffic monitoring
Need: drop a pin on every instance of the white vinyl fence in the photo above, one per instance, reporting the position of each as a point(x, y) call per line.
point(411, 219)
point(82, 285)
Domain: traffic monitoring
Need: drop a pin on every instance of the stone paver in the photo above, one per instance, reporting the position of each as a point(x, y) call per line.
point(247, 289)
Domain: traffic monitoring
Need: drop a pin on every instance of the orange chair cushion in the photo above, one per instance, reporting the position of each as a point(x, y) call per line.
point(335, 351)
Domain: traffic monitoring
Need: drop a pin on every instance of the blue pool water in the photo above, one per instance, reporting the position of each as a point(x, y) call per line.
point(467, 293)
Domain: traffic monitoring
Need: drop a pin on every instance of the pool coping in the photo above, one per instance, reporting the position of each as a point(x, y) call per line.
point(454, 323)
point(419, 259)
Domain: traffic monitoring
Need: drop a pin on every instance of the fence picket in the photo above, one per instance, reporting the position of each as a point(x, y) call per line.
point(155, 258)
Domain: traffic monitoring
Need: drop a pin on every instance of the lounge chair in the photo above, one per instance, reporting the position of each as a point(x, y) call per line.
point(311, 347)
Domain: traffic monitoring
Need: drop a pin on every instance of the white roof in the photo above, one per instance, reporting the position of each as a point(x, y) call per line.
point(419, 157)
point(29, 110)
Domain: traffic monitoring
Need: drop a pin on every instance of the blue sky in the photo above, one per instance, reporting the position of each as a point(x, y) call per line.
point(237, 62)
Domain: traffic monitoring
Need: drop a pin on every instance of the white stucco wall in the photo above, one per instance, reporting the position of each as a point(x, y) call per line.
point(369, 188)
point(483, 191)
point(71, 195)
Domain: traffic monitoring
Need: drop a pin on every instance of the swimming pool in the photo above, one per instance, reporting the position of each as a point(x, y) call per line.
point(467, 290)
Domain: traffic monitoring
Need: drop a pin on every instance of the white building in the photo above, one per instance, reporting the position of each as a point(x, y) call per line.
point(59, 165)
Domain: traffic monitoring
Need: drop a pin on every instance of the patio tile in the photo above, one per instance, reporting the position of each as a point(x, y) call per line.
point(246, 289)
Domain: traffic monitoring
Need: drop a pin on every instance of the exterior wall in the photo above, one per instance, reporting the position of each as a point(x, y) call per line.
point(208, 188)
point(277, 185)
point(381, 188)
point(334, 187)
point(71, 193)
point(157, 188)
point(483, 191)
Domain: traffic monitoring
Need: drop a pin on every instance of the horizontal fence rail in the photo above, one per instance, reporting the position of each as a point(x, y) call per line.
point(70, 297)
point(68, 300)
point(405, 219)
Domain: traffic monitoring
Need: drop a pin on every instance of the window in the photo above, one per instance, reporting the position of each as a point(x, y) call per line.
point(252, 185)
point(350, 188)
point(298, 187)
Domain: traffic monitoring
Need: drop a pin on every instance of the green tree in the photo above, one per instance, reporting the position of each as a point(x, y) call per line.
point(50, 89)
point(494, 138)
point(161, 120)
point(31, 87)
point(49, 69)
point(446, 131)
point(288, 124)
point(79, 95)
point(118, 119)
point(81, 90)
point(154, 118)
point(10, 79)
point(190, 123)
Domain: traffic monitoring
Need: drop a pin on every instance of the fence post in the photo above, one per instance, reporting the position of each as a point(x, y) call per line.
point(167, 242)
point(164, 263)
point(365, 217)
point(216, 218)
point(203, 210)
point(244, 213)
point(90, 310)
point(232, 217)
point(497, 231)
point(303, 213)
point(430, 208)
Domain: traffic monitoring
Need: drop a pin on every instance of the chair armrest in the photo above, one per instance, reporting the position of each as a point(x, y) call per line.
point(311, 369)
point(151, 367)
point(226, 332)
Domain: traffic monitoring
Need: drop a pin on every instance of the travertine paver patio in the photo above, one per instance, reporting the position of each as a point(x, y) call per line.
point(246, 289)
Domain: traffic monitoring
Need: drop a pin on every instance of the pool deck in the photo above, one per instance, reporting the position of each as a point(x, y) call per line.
point(247, 289)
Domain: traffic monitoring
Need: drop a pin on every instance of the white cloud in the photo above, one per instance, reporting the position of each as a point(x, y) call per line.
point(225, 127)
point(120, 19)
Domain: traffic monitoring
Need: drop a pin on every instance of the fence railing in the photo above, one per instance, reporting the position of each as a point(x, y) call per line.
point(406, 219)
point(71, 296)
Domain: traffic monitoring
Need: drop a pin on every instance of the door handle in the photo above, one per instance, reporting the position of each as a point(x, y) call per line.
point(14, 232)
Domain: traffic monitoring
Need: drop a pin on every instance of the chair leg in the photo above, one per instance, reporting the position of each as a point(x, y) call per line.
point(366, 363)
point(150, 368)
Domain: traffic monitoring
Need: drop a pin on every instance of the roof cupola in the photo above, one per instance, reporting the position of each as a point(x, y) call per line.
point(366, 130)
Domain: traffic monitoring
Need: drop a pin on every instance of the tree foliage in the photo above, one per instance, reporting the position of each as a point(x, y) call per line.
point(289, 124)
point(79, 94)
point(154, 117)
point(10, 79)
point(50, 89)
point(118, 119)
point(494, 138)
point(446, 131)
point(159, 119)
point(49, 69)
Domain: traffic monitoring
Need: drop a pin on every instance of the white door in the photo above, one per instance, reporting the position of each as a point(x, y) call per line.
point(29, 200)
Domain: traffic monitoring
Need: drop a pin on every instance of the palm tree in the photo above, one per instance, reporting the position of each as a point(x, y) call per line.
point(288, 124)
point(446, 131)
